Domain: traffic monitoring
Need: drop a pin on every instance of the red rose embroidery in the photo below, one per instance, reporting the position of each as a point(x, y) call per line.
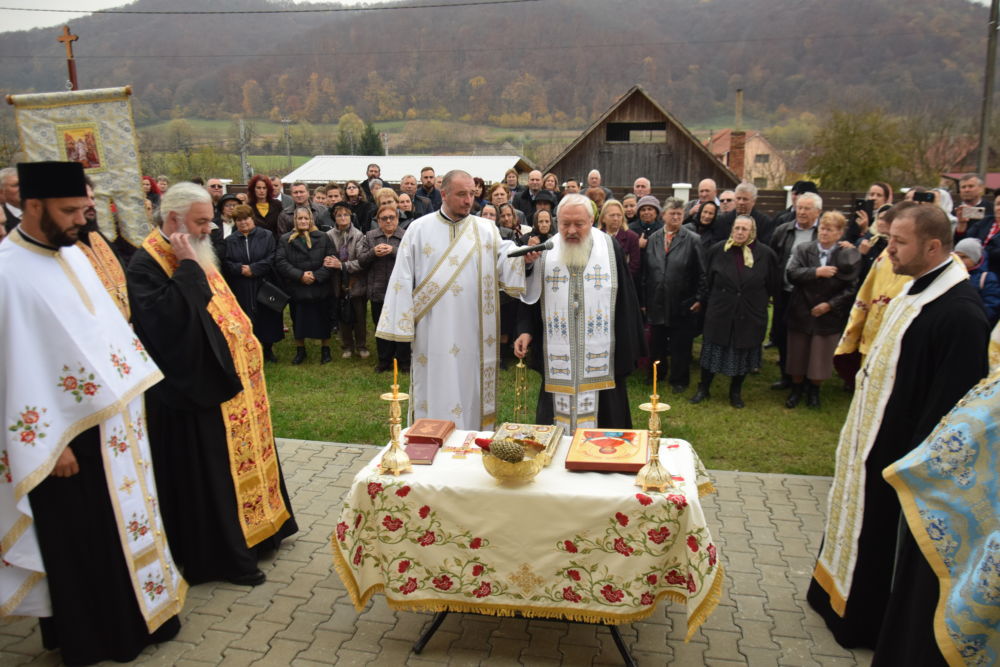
point(404, 565)
point(659, 535)
point(680, 502)
point(690, 582)
point(570, 595)
point(483, 590)
point(643, 498)
point(69, 383)
point(612, 594)
point(675, 578)
point(403, 491)
point(159, 590)
point(477, 570)
point(427, 539)
point(712, 555)
point(570, 547)
point(651, 580)
point(27, 436)
point(646, 599)
point(692, 543)
point(409, 586)
point(143, 530)
point(341, 531)
point(476, 543)
point(392, 524)
point(424, 511)
point(622, 519)
point(149, 586)
point(29, 417)
point(357, 556)
point(89, 388)
point(622, 548)
point(443, 582)
point(126, 369)
point(357, 521)
point(573, 574)
point(374, 488)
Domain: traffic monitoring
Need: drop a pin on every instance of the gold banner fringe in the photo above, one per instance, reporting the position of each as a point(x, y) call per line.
point(705, 488)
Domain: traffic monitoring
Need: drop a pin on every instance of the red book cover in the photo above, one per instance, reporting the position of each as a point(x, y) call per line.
point(612, 450)
point(430, 430)
point(422, 453)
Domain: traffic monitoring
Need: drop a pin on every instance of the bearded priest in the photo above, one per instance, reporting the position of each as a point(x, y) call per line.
point(586, 322)
point(221, 488)
point(80, 534)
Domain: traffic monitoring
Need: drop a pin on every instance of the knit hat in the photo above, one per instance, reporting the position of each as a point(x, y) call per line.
point(971, 248)
point(649, 200)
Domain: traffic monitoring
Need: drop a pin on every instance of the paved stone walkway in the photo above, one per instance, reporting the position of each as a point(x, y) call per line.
point(768, 528)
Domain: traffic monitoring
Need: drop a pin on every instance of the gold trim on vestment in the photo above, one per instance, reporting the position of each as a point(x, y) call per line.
point(253, 461)
point(428, 284)
point(15, 600)
point(22, 524)
point(109, 270)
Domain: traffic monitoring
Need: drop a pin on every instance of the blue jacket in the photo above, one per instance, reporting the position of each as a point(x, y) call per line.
point(988, 286)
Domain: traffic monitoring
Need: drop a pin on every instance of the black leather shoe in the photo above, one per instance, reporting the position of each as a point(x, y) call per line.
point(324, 355)
point(736, 400)
point(699, 396)
point(269, 355)
point(782, 384)
point(300, 356)
point(812, 396)
point(254, 578)
point(794, 397)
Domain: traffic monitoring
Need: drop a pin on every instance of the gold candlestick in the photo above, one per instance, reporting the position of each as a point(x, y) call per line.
point(520, 392)
point(395, 461)
point(653, 475)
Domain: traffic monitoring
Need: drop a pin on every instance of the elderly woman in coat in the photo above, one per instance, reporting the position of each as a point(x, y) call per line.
point(247, 262)
point(378, 257)
point(741, 276)
point(672, 270)
point(299, 260)
point(349, 283)
point(824, 276)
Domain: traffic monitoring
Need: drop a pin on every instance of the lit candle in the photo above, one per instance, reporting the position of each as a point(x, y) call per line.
point(395, 377)
point(655, 369)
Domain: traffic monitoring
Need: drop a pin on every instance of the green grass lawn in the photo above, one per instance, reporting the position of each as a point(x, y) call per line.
point(339, 402)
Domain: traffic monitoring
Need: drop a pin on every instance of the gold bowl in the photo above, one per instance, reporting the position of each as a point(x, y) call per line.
point(513, 473)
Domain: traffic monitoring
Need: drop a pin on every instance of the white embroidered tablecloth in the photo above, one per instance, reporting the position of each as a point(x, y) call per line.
point(584, 546)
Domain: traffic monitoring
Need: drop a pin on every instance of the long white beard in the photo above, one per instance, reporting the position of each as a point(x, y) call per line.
point(205, 252)
point(576, 254)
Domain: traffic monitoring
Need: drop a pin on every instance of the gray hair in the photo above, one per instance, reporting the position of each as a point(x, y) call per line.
point(576, 199)
point(748, 188)
point(748, 218)
point(963, 179)
point(671, 203)
point(811, 196)
point(178, 200)
point(6, 173)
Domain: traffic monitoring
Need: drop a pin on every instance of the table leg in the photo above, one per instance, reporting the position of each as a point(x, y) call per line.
point(435, 624)
point(620, 643)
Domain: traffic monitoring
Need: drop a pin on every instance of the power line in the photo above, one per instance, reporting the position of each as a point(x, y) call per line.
point(550, 47)
point(304, 10)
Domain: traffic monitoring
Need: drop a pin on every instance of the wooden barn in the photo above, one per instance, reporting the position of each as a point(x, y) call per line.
point(637, 137)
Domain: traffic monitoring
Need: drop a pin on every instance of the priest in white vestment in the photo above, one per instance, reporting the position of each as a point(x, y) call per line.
point(443, 297)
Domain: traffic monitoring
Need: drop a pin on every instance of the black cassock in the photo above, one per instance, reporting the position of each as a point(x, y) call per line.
point(943, 355)
point(186, 430)
point(95, 614)
point(613, 408)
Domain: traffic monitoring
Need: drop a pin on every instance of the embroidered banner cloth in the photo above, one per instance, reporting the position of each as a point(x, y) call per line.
point(579, 546)
point(95, 128)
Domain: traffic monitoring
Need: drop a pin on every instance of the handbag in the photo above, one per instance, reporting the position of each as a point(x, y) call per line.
point(272, 297)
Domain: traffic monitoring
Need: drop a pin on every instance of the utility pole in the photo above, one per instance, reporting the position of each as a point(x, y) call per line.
point(384, 138)
point(68, 38)
point(244, 159)
point(288, 142)
point(991, 61)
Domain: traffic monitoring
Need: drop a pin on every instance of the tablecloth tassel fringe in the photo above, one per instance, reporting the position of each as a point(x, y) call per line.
point(707, 605)
point(347, 577)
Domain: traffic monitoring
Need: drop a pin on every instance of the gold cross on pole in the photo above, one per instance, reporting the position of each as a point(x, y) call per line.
point(68, 38)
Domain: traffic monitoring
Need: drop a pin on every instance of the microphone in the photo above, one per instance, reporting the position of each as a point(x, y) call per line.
point(525, 249)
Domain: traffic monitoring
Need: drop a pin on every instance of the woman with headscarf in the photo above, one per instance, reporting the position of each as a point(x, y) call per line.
point(824, 275)
point(266, 209)
point(247, 261)
point(705, 223)
point(299, 259)
point(740, 278)
point(541, 228)
point(349, 283)
point(507, 223)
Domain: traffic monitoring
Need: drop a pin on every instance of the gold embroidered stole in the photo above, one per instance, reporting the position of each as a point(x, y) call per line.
point(247, 416)
point(834, 570)
point(109, 270)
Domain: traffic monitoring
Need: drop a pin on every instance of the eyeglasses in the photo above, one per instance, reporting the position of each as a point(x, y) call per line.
point(387, 218)
point(215, 187)
point(727, 201)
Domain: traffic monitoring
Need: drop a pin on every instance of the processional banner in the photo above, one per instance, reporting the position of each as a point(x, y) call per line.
point(95, 128)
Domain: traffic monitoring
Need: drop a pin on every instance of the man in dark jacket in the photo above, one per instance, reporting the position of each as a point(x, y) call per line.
point(786, 236)
point(525, 201)
point(800, 187)
point(378, 256)
point(672, 270)
point(421, 204)
point(746, 200)
point(300, 199)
